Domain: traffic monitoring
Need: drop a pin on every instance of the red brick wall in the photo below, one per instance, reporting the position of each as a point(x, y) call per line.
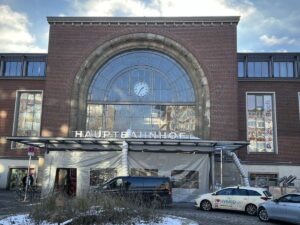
point(8, 88)
point(287, 116)
point(214, 46)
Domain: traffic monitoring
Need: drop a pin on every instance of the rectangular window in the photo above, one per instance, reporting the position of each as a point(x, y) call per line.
point(263, 180)
point(299, 102)
point(185, 179)
point(36, 69)
point(28, 114)
point(258, 69)
point(283, 69)
point(143, 172)
point(261, 122)
point(13, 68)
point(99, 176)
point(241, 69)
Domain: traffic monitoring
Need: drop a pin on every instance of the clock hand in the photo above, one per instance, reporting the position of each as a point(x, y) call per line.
point(140, 90)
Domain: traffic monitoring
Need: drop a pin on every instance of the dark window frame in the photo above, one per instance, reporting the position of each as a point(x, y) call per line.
point(22, 68)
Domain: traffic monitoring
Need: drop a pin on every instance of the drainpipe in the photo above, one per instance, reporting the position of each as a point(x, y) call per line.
point(124, 159)
point(239, 166)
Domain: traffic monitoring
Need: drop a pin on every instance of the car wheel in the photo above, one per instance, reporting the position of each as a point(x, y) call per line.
point(251, 209)
point(263, 215)
point(205, 205)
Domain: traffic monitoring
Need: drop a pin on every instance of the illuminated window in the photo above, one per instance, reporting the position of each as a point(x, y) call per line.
point(28, 114)
point(143, 91)
point(261, 122)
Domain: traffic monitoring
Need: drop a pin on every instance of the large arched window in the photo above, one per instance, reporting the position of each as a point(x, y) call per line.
point(141, 90)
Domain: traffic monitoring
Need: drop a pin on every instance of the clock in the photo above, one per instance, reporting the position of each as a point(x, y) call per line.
point(141, 89)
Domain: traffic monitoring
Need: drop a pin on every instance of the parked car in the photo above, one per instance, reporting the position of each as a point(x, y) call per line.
point(148, 188)
point(285, 208)
point(234, 198)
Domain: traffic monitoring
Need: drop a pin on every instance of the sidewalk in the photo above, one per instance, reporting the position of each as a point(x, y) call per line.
point(10, 205)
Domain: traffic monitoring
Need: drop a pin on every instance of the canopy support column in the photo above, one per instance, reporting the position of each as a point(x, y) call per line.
point(124, 159)
point(212, 170)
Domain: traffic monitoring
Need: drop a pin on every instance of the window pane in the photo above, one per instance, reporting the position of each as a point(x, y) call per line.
point(146, 76)
point(36, 69)
point(290, 69)
point(185, 179)
point(260, 126)
point(99, 176)
point(12, 68)
point(29, 114)
point(227, 191)
point(241, 69)
point(265, 69)
point(143, 172)
point(251, 69)
point(141, 118)
point(276, 69)
point(257, 68)
point(283, 69)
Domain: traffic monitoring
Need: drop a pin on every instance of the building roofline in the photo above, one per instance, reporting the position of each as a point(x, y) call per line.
point(268, 53)
point(22, 54)
point(144, 20)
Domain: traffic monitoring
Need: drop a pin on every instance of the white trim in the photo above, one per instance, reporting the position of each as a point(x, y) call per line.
point(275, 120)
point(16, 110)
point(299, 104)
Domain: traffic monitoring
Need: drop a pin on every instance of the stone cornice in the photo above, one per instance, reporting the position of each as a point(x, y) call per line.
point(151, 21)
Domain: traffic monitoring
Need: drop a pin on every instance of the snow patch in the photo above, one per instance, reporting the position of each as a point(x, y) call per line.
point(24, 219)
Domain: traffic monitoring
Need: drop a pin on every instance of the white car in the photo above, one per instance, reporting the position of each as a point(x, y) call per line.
point(234, 198)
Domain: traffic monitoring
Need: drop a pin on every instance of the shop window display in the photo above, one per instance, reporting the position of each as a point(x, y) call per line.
point(143, 172)
point(16, 176)
point(99, 176)
point(185, 179)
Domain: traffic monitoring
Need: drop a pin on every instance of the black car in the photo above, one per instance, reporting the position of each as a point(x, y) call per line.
point(149, 189)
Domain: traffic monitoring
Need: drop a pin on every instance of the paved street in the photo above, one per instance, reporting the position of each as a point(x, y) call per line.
point(216, 217)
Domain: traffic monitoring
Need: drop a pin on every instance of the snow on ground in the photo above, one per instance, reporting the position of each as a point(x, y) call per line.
point(23, 219)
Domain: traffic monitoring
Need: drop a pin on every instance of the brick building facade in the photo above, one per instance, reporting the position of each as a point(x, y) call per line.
point(204, 47)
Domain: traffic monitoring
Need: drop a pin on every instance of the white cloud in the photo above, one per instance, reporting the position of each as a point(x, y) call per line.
point(15, 35)
point(161, 8)
point(273, 40)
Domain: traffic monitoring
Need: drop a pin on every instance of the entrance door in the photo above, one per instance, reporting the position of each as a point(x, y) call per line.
point(66, 181)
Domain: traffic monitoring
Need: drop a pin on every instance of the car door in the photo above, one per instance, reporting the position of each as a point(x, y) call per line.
point(292, 208)
point(223, 199)
point(278, 210)
point(239, 199)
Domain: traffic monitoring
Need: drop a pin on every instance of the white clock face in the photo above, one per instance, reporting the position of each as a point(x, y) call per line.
point(141, 89)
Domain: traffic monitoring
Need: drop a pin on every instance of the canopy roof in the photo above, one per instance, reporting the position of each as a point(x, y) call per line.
point(134, 144)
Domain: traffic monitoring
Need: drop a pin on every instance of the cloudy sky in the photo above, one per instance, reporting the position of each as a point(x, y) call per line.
point(265, 25)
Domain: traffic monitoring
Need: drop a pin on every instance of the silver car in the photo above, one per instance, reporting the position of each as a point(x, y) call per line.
point(286, 208)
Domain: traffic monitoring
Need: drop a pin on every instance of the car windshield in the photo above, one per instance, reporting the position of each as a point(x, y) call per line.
point(267, 194)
